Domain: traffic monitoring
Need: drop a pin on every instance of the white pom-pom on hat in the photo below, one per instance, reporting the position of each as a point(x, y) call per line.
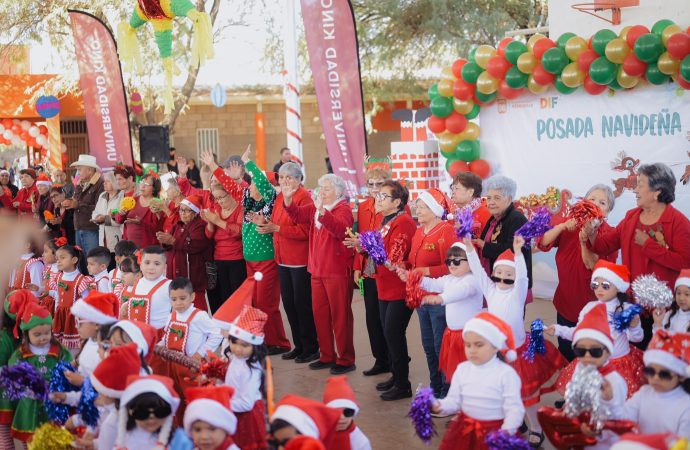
point(258, 276)
point(511, 355)
point(450, 216)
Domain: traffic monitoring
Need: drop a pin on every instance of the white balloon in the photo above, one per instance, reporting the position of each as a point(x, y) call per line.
point(41, 140)
point(25, 124)
point(63, 148)
point(2, 128)
point(16, 140)
point(7, 134)
point(34, 131)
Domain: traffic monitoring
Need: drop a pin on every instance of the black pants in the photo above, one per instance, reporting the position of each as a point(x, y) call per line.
point(565, 346)
point(295, 290)
point(231, 274)
point(377, 340)
point(647, 322)
point(395, 316)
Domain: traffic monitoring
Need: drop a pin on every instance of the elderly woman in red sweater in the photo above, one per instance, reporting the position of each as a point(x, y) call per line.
point(330, 265)
point(141, 223)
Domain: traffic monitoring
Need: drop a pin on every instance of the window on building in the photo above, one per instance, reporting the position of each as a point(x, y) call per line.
point(207, 139)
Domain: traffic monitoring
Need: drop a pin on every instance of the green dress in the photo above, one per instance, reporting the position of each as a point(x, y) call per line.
point(29, 414)
point(7, 347)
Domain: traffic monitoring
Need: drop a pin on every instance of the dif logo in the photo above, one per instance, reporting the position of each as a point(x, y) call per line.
point(548, 102)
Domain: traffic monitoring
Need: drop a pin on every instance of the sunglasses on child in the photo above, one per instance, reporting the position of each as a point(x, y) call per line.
point(502, 280)
point(455, 261)
point(160, 412)
point(605, 285)
point(663, 374)
point(595, 352)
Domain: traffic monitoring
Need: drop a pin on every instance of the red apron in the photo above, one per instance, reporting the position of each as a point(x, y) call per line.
point(115, 281)
point(64, 324)
point(21, 276)
point(46, 299)
point(176, 334)
point(139, 305)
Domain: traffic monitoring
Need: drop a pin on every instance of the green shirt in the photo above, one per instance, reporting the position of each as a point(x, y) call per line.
point(257, 247)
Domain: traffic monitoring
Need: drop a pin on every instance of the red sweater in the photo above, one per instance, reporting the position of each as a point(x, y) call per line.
point(366, 218)
point(652, 257)
point(328, 256)
point(142, 234)
point(228, 241)
point(291, 243)
point(388, 283)
point(24, 198)
point(429, 250)
point(190, 252)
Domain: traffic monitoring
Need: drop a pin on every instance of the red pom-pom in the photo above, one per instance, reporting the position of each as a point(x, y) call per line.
point(414, 293)
point(585, 211)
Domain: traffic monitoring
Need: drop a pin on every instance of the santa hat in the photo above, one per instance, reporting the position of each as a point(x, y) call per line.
point(683, 279)
point(110, 375)
point(34, 315)
point(97, 307)
point(595, 325)
point(309, 417)
point(437, 201)
point(459, 245)
point(210, 404)
point(43, 180)
point(507, 258)
point(339, 394)
point(231, 309)
point(15, 303)
point(496, 331)
point(249, 325)
point(304, 443)
point(671, 351)
point(632, 441)
point(142, 334)
point(616, 274)
point(193, 202)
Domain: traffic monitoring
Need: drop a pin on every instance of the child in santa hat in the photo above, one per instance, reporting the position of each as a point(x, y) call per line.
point(667, 367)
point(660, 441)
point(140, 333)
point(610, 282)
point(295, 416)
point(484, 391)
point(209, 420)
point(339, 395)
point(677, 319)
point(506, 293)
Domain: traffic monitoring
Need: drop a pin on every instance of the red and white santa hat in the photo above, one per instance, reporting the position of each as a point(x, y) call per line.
point(595, 325)
point(671, 351)
point(459, 245)
point(43, 180)
point(616, 274)
point(110, 375)
point(496, 331)
point(507, 258)
point(210, 404)
point(309, 417)
point(233, 306)
point(249, 325)
point(193, 202)
point(683, 279)
point(142, 334)
point(97, 307)
point(437, 201)
point(339, 394)
point(633, 441)
point(302, 442)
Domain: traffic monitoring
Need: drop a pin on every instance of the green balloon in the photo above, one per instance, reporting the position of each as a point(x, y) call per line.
point(449, 155)
point(562, 88)
point(685, 68)
point(563, 38)
point(514, 50)
point(470, 72)
point(554, 60)
point(474, 113)
point(654, 75)
point(442, 106)
point(600, 39)
point(516, 79)
point(433, 91)
point(485, 98)
point(467, 151)
point(615, 85)
point(602, 71)
point(660, 26)
point(648, 47)
point(470, 56)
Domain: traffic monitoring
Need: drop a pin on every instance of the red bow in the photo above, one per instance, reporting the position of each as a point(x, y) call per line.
point(60, 242)
point(138, 253)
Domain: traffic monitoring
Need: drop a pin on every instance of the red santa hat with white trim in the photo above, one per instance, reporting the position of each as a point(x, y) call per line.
point(595, 325)
point(97, 307)
point(110, 375)
point(339, 394)
point(616, 274)
point(142, 334)
point(43, 180)
point(309, 417)
point(249, 325)
point(210, 404)
point(507, 258)
point(193, 202)
point(671, 351)
point(660, 441)
point(683, 279)
point(496, 331)
point(438, 202)
point(302, 442)
point(233, 306)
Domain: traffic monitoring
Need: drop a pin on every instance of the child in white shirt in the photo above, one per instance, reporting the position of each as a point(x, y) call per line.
point(97, 262)
point(148, 300)
point(678, 318)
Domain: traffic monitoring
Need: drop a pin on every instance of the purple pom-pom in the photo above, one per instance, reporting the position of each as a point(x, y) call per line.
point(87, 408)
point(621, 319)
point(465, 222)
point(23, 380)
point(501, 440)
point(536, 340)
point(420, 413)
point(372, 243)
point(59, 412)
point(539, 224)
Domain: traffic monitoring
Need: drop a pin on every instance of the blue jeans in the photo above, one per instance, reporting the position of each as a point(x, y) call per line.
point(432, 322)
point(86, 239)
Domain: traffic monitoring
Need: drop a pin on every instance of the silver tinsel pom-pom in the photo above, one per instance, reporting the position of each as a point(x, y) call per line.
point(583, 395)
point(652, 293)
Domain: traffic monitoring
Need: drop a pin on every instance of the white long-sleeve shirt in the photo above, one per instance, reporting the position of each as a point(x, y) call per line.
point(160, 302)
point(659, 412)
point(507, 304)
point(615, 407)
point(88, 360)
point(35, 274)
point(102, 280)
point(139, 439)
point(358, 440)
point(204, 335)
point(107, 434)
point(461, 295)
point(487, 392)
point(679, 322)
point(621, 340)
point(246, 381)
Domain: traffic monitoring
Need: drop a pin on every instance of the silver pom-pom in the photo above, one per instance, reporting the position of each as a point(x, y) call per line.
point(652, 293)
point(583, 395)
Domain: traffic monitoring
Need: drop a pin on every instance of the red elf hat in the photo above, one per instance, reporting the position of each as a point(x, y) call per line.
point(339, 394)
point(110, 375)
point(595, 325)
point(249, 325)
point(233, 306)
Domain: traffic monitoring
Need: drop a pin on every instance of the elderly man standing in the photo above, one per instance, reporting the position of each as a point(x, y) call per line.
point(84, 201)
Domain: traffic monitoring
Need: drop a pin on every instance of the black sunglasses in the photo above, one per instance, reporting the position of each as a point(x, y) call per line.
point(160, 412)
point(663, 374)
point(605, 285)
point(595, 352)
point(455, 261)
point(348, 412)
point(502, 280)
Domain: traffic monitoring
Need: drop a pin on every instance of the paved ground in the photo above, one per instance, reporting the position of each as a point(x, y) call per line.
point(385, 423)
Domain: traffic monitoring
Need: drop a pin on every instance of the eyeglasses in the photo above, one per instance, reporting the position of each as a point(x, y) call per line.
point(186, 211)
point(375, 183)
point(147, 184)
point(502, 280)
point(160, 412)
point(595, 352)
point(605, 285)
point(455, 261)
point(381, 196)
point(663, 374)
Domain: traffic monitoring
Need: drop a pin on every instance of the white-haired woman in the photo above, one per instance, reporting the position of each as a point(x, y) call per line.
point(109, 231)
point(330, 265)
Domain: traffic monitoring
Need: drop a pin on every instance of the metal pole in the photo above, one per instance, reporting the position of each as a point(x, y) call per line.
point(291, 74)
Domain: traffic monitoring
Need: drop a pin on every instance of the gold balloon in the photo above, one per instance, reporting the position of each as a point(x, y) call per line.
point(471, 132)
point(533, 40)
point(667, 64)
point(527, 62)
point(572, 76)
point(483, 54)
point(668, 32)
point(624, 32)
point(486, 84)
point(574, 46)
point(447, 74)
point(445, 88)
point(448, 141)
point(616, 50)
point(626, 80)
point(534, 87)
point(463, 106)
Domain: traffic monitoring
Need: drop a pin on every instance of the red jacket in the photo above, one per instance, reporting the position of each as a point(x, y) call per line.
point(228, 241)
point(652, 257)
point(189, 253)
point(328, 256)
point(366, 218)
point(291, 243)
point(24, 198)
point(429, 250)
point(388, 283)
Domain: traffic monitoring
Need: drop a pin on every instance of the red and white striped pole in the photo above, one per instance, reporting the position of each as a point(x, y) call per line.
point(291, 77)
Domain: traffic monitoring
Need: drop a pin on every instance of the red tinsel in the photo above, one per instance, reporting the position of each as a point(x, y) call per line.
point(414, 293)
point(211, 369)
point(397, 251)
point(585, 211)
point(176, 357)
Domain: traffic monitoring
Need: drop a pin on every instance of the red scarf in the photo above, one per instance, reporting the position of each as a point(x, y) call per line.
point(341, 439)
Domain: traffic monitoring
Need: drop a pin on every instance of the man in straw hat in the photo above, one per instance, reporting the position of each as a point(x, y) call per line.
point(84, 201)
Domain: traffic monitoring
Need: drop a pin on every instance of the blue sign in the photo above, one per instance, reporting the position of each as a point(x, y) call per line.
point(47, 106)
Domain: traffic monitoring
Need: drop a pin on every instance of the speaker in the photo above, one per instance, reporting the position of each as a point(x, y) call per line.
point(154, 144)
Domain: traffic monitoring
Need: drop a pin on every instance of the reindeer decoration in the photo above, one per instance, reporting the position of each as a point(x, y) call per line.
point(624, 163)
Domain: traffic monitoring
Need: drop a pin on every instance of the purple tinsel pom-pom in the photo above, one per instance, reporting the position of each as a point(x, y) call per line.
point(372, 243)
point(465, 222)
point(501, 440)
point(59, 412)
point(536, 340)
point(621, 319)
point(23, 380)
point(420, 413)
point(87, 408)
point(539, 224)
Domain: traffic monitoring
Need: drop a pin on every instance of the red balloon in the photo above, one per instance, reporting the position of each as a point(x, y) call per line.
point(7, 123)
point(497, 67)
point(541, 46)
point(437, 124)
point(592, 88)
point(463, 90)
point(480, 167)
point(585, 59)
point(16, 129)
point(456, 123)
point(43, 129)
point(678, 45)
point(501, 49)
point(457, 167)
point(685, 84)
point(633, 66)
point(508, 92)
point(635, 32)
point(24, 136)
point(541, 76)
point(457, 67)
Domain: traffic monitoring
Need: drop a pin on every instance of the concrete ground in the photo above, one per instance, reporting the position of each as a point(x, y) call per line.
point(385, 423)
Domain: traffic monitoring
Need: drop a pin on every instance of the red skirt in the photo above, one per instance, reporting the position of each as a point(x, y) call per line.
point(466, 433)
point(251, 428)
point(452, 352)
point(535, 374)
point(65, 328)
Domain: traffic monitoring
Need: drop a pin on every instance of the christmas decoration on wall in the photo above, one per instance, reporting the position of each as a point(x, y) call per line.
point(47, 106)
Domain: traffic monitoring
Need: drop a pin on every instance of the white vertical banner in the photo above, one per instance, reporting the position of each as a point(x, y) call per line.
point(291, 73)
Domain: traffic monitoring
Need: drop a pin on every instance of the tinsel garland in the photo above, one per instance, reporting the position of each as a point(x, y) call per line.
point(372, 243)
point(397, 252)
point(585, 211)
point(51, 437)
point(502, 440)
point(583, 395)
point(465, 223)
point(539, 223)
point(414, 294)
point(177, 357)
point(652, 293)
point(23, 380)
point(420, 413)
point(536, 340)
point(59, 412)
point(621, 319)
point(87, 408)
point(213, 368)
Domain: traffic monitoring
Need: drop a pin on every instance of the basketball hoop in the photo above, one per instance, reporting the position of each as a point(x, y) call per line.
point(602, 5)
